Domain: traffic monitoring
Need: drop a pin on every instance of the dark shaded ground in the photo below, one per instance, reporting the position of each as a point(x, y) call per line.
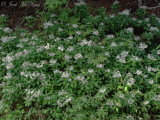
point(16, 13)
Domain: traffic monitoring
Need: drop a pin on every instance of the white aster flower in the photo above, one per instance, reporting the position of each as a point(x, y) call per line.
point(52, 62)
point(150, 56)
point(110, 36)
point(113, 44)
point(67, 57)
point(100, 65)
point(70, 37)
point(130, 30)
point(60, 29)
point(138, 72)
point(37, 93)
point(131, 81)
point(70, 49)
point(102, 90)
point(125, 12)
point(95, 32)
point(68, 100)
point(116, 74)
point(142, 46)
point(78, 32)
point(65, 74)
point(47, 24)
point(151, 82)
point(90, 70)
point(137, 38)
point(61, 48)
point(146, 102)
point(116, 2)
point(74, 25)
point(78, 56)
point(154, 29)
point(158, 52)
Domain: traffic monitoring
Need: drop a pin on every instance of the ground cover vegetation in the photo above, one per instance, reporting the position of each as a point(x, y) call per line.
point(81, 67)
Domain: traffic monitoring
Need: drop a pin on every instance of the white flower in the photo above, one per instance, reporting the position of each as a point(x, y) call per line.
point(124, 54)
point(7, 29)
point(60, 29)
point(9, 66)
point(67, 57)
point(95, 32)
point(82, 79)
point(78, 56)
point(143, 7)
point(130, 30)
point(154, 29)
point(100, 65)
point(80, 2)
point(150, 56)
point(70, 37)
point(107, 70)
point(57, 71)
point(142, 46)
point(51, 54)
point(61, 48)
point(90, 70)
point(151, 82)
point(52, 62)
point(51, 36)
point(70, 49)
point(101, 23)
point(149, 69)
point(130, 81)
point(129, 74)
point(113, 15)
point(139, 72)
point(147, 19)
point(110, 36)
point(137, 38)
point(8, 76)
point(107, 53)
point(110, 103)
point(47, 24)
point(158, 52)
point(130, 101)
point(102, 90)
point(116, 2)
point(62, 92)
point(68, 100)
point(135, 58)
point(121, 96)
point(113, 44)
point(116, 74)
point(37, 93)
point(146, 102)
point(47, 46)
point(65, 75)
point(74, 25)
point(125, 12)
point(78, 32)
point(134, 19)
point(71, 68)
point(52, 15)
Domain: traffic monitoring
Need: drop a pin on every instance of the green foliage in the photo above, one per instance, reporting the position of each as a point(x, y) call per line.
point(30, 21)
point(141, 13)
point(103, 67)
point(54, 5)
point(81, 11)
point(64, 16)
point(3, 20)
